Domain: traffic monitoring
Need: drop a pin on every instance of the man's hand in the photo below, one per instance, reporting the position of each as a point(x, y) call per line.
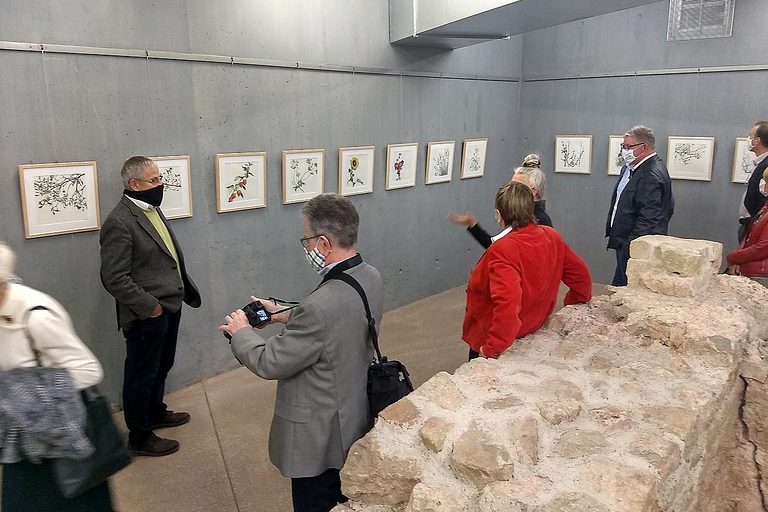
point(234, 322)
point(271, 307)
point(467, 219)
point(156, 312)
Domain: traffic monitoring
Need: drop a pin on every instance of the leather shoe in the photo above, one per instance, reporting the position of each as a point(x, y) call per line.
point(172, 419)
point(154, 446)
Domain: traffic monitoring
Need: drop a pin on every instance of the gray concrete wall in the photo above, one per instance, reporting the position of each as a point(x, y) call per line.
point(722, 105)
point(60, 108)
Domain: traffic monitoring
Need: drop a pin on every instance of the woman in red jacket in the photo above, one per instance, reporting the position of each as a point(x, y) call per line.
point(514, 285)
point(751, 258)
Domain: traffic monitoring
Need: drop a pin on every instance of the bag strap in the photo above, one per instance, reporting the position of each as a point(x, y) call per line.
point(351, 281)
point(25, 323)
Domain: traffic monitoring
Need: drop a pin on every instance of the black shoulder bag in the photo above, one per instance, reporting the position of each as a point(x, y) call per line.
point(388, 381)
point(110, 455)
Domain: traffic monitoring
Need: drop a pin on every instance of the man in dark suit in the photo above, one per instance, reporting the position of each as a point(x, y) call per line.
point(142, 267)
point(753, 200)
point(642, 201)
point(320, 360)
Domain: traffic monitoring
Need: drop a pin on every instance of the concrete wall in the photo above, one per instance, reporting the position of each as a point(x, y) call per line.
point(721, 105)
point(61, 107)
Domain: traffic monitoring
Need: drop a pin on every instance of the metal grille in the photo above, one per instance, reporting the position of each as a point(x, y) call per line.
point(700, 19)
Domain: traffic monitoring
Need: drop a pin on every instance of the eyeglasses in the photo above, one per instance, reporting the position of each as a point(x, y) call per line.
point(630, 146)
point(154, 181)
point(305, 241)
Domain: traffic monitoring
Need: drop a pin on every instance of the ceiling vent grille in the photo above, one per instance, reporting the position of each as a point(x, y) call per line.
point(700, 19)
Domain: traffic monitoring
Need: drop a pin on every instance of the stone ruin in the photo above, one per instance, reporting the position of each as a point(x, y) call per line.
point(649, 398)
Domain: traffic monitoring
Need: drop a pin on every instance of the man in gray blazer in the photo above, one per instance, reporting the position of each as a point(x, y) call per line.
point(142, 267)
point(320, 360)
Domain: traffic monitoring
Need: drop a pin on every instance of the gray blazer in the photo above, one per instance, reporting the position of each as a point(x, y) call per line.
point(320, 361)
point(137, 269)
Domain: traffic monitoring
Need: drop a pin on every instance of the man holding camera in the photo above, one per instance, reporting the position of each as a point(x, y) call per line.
point(320, 360)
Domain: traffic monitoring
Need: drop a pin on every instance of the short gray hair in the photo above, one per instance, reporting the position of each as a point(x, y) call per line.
point(536, 177)
point(333, 216)
point(7, 264)
point(642, 134)
point(133, 169)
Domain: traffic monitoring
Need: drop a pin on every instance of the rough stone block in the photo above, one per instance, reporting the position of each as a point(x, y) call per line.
point(434, 431)
point(430, 499)
point(507, 402)
point(573, 502)
point(562, 388)
point(557, 411)
point(662, 453)
point(403, 413)
point(677, 420)
point(481, 458)
point(578, 443)
point(525, 439)
point(512, 495)
point(442, 391)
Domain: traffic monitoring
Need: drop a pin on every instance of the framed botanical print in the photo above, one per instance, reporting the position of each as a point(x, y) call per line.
point(615, 161)
point(241, 181)
point(743, 162)
point(573, 154)
point(356, 170)
point(473, 158)
point(59, 198)
point(302, 174)
point(401, 165)
point(439, 162)
point(177, 185)
point(690, 158)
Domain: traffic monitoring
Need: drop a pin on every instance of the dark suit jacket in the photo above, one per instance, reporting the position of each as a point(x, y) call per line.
point(136, 267)
point(754, 200)
point(645, 205)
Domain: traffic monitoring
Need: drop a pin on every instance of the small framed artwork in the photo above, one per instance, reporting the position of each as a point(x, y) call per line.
point(473, 158)
point(615, 161)
point(59, 198)
point(302, 174)
point(690, 158)
point(439, 162)
point(401, 165)
point(743, 161)
point(356, 170)
point(573, 154)
point(241, 181)
point(177, 185)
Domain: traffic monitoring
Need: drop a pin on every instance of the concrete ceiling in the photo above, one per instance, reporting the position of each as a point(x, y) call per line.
point(457, 23)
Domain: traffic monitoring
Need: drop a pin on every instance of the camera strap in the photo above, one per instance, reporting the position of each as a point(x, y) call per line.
point(351, 281)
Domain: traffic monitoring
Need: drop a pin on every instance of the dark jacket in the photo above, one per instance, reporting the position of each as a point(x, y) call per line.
point(138, 270)
point(754, 200)
point(645, 205)
point(542, 218)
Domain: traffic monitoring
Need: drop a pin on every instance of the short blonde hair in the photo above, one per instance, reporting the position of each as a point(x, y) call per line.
point(514, 201)
point(7, 263)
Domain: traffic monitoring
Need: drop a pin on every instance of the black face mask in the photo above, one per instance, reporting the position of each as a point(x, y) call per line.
point(153, 196)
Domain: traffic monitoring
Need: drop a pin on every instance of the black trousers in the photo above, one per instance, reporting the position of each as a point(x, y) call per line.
point(473, 355)
point(622, 257)
point(29, 487)
point(317, 493)
point(150, 352)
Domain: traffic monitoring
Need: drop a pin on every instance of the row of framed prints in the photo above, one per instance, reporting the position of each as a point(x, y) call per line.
point(64, 198)
point(688, 158)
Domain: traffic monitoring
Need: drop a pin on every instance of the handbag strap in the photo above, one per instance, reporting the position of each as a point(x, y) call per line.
point(351, 281)
point(25, 323)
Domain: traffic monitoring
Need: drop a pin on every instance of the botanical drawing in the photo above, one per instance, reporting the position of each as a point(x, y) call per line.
point(571, 153)
point(300, 174)
point(239, 182)
point(474, 161)
point(441, 162)
point(61, 191)
point(352, 178)
point(747, 164)
point(398, 166)
point(688, 152)
point(171, 178)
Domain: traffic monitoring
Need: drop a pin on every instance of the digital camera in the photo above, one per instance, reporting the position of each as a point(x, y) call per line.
point(256, 315)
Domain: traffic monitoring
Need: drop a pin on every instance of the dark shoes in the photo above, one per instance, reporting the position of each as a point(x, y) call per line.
point(172, 419)
point(154, 446)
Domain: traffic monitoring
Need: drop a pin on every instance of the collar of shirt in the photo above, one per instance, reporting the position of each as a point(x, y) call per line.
point(141, 204)
point(502, 234)
point(641, 162)
point(760, 158)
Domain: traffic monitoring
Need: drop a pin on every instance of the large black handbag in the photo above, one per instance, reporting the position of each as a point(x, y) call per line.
point(388, 381)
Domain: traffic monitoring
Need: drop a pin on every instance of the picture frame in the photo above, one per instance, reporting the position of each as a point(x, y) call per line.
point(439, 164)
point(473, 158)
point(743, 162)
point(690, 158)
point(241, 181)
point(177, 185)
point(573, 154)
point(356, 166)
point(615, 161)
point(303, 171)
point(59, 198)
point(402, 161)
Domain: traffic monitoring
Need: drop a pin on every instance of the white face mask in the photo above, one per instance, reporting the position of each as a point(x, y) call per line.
point(750, 143)
point(315, 259)
point(628, 155)
point(761, 188)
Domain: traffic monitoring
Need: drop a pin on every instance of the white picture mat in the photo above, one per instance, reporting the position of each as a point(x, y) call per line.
point(614, 150)
point(407, 153)
point(177, 195)
point(68, 179)
point(690, 158)
point(439, 162)
point(573, 154)
point(743, 161)
point(229, 167)
point(362, 177)
point(302, 175)
point(473, 158)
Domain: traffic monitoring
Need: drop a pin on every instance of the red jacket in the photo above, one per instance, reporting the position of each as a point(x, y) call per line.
point(752, 258)
point(514, 286)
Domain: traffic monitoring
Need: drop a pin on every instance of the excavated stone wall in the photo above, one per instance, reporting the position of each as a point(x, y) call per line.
point(650, 398)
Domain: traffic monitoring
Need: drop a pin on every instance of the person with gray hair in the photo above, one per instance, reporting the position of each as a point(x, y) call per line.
point(320, 359)
point(642, 201)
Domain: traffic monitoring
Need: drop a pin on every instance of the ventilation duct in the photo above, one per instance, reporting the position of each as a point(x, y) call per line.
point(700, 19)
